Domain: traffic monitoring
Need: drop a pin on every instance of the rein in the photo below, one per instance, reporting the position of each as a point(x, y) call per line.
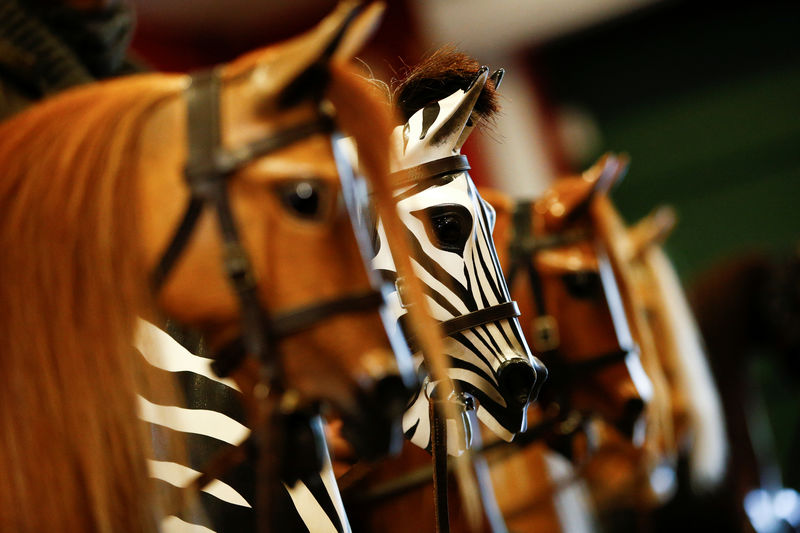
point(209, 166)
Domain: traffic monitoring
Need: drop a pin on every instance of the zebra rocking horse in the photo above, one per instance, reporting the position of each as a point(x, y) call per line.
point(450, 228)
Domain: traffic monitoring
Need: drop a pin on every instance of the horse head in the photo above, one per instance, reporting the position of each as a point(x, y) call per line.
point(569, 298)
point(255, 144)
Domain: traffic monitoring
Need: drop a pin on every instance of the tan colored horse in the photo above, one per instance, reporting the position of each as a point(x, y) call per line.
point(574, 318)
point(92, 189)
point(690, 412)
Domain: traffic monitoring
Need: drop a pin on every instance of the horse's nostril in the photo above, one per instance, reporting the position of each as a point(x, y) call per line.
point(517, 380)
point(631, 413)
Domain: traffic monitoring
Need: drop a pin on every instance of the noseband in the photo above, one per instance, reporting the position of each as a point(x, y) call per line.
point(208, 167)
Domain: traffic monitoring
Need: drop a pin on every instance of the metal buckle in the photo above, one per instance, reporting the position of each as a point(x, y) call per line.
point(545, 333)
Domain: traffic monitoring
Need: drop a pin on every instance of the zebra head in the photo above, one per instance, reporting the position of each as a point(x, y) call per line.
point(450, 228)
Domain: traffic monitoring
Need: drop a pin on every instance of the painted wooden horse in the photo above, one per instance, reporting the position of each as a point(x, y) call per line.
point(93, 185)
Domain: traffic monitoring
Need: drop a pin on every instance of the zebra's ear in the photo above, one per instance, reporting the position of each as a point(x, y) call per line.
point(438, 129)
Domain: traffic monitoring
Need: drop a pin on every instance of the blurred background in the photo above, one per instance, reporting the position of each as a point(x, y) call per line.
point(704, 96)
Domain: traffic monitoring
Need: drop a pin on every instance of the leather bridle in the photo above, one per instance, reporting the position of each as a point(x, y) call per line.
point(421, 177)
point(523, 250)
point(208, 169)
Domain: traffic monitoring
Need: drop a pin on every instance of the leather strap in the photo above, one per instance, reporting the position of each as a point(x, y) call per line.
point(440, 473)
point(178, 242)
point(298, 320)
point(480, 317)
point(432, 169)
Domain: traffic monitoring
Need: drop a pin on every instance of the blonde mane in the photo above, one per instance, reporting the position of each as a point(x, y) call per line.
point(71, 447)
point(708, 452)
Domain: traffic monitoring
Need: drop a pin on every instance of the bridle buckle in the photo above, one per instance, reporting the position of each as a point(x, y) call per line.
point(545, 333)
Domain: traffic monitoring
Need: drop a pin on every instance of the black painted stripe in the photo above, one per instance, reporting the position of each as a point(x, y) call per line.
point(412, 430)
point(455, 362)
point(486, 343)
point(499, 276)
point(429, 114)
point(492, 338)
point(440, 274)
point(199, 392)
point(490, 274)
point(200, 448)
point(194, 513)
point(320, 492)
point(478, 284)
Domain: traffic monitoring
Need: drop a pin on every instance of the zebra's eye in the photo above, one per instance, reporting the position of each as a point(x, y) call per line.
point(302, 199)
point(448, 229)
point(583, 285)
point(450, 226)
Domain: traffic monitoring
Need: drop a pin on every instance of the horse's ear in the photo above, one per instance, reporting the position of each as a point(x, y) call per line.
point(607, 172)
point(438, 129)
point(652, 230)
point(359, 31)
point(569, 198)
point(298, 66)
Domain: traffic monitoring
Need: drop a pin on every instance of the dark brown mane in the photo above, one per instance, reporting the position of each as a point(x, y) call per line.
point(438, 76)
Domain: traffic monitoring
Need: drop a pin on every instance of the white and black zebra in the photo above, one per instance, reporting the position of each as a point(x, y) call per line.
point(211, 419)
point(455, 258)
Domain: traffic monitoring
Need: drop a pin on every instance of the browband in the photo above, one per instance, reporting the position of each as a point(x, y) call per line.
point(480, 317)
point(432, 169)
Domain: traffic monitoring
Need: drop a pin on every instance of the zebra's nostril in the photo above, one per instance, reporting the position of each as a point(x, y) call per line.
point(517, 380)
point(541, 376)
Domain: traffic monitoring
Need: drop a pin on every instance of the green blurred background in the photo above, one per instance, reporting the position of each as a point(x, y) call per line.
point(705, 97)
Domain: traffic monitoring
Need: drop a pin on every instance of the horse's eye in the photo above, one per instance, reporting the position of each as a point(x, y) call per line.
point(302, 198)
point(583, 284)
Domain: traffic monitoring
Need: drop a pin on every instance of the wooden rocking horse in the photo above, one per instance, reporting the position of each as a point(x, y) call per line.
point(93, 186)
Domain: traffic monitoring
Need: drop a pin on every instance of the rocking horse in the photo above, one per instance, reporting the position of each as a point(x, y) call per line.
point(456, 260)
point(93, 185)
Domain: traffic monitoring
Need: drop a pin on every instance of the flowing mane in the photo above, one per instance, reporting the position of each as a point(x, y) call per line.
point(439, 75)
point(69, 292)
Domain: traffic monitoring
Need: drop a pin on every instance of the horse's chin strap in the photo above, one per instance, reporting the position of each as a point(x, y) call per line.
point(440, 471)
